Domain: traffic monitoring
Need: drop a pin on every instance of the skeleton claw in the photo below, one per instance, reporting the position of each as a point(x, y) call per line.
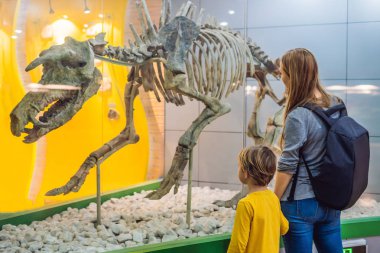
point(54, 192)
point(174, 175)
point(166, 185)
point(74, 184)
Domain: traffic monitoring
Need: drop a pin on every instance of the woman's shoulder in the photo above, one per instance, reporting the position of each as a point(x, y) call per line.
point(299, 119)
point(299, 113)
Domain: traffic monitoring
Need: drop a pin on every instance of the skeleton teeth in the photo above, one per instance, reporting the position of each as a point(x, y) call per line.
point(27, 130)
point(36, 108)
point(38, 123)
point(48, 115)
point(55, 110)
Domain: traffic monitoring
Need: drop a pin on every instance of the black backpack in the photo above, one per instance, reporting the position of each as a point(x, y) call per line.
point(343, 175)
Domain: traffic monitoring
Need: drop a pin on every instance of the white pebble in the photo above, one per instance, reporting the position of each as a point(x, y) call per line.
point(168, 238)
point(124, 237)
point(135, 220)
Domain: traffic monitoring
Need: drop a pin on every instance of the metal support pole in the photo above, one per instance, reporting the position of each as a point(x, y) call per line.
point(98, 195)
point(245, 91)
point(188, 209)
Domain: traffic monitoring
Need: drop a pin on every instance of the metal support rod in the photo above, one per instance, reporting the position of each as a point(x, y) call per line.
point(98, 195)
point(188, 205)
point(245, 104)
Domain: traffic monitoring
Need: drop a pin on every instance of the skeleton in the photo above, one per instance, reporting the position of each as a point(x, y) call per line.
point(183, 57)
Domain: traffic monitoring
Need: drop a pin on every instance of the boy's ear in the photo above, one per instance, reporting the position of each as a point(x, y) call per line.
point(245, 176)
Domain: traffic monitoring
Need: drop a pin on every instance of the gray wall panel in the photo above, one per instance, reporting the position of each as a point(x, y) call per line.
point(327, 42)
point(363, 10)
point(180, 117)
point(218, 157)
point(363, 51)
point(374, 172)
point(264, 13)
point(363, 102)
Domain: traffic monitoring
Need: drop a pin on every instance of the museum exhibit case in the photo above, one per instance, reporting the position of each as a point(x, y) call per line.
point(343, 35)
point(38, 30)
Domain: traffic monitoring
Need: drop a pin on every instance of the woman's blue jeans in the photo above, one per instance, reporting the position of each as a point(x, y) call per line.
point(308, 221)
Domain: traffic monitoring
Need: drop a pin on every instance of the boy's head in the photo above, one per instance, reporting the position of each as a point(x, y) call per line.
point(258, 163)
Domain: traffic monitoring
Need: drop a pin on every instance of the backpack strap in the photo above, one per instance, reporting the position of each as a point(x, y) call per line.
point(337, 108)
point(295, 177)
point(294, 183)
point(319, 112)
point(308, 170)
point(324, 115)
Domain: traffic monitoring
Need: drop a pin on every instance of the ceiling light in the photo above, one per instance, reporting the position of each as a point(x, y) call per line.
point(18, 31)
point(223, 23)
point(14, 37)
point(51, 11)
point(86, 9)
point(101, 15)
point(231, 12)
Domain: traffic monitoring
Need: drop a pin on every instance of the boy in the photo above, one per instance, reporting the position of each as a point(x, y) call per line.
point(259, 220)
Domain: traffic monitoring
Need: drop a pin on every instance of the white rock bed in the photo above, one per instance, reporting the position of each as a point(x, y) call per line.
point(133, 221)
point(364, 207)
point(126, 222)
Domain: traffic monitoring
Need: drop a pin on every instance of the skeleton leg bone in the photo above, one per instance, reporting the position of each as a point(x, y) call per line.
point(189, 138)
point(253, 129)
point(127, 136)
point(264, 89)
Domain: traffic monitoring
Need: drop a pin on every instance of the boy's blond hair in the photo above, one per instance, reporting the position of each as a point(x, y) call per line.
point(259, 162)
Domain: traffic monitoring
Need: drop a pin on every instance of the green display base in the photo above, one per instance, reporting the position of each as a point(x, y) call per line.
point(42, 213)
point(352, 228)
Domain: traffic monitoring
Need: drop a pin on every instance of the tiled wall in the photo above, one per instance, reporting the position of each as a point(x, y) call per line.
point(344, 35)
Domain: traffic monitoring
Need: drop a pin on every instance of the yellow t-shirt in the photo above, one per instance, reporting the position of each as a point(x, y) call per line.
point(258, 224)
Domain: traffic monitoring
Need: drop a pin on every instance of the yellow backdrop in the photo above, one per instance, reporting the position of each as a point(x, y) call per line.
point(29, 170)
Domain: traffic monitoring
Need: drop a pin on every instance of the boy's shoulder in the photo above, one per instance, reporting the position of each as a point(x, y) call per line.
point(260, 196)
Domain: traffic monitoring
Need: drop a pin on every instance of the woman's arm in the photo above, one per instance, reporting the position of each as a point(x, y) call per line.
point(281, 182)
point(295, 136)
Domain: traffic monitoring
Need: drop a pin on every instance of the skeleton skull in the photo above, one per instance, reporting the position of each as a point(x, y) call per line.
point(71, 78)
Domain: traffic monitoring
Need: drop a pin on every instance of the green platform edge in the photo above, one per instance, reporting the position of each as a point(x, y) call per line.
point(351, 228)
point(28, 217)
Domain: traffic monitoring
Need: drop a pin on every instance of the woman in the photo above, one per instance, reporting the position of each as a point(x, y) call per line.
point(308, 219)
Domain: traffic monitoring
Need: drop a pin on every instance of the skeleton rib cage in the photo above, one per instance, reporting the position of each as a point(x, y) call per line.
point(216, 63)
point(183, 57)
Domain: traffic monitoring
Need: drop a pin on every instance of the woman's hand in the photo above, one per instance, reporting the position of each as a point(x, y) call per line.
point(281, 182)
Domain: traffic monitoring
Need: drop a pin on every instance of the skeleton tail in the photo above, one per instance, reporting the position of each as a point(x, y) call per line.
point(262, 58)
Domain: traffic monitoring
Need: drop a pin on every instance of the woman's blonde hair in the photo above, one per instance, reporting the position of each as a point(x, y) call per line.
point(259, 162)
point(301, 67)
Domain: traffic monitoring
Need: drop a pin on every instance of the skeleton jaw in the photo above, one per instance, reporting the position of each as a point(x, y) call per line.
point(42, 110)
